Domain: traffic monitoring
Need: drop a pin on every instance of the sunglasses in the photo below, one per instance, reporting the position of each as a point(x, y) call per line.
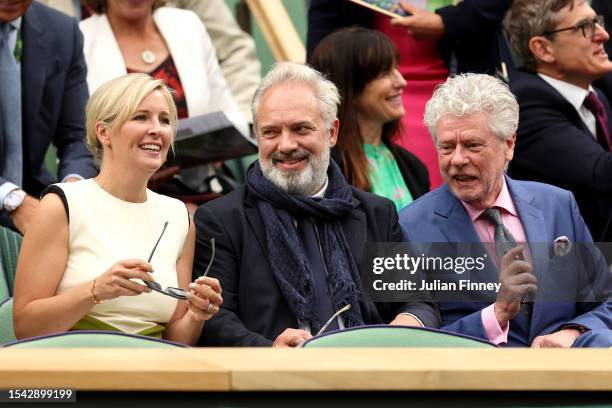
point(176, 293)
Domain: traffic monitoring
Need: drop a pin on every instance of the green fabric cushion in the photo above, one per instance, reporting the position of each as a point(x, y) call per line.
point(393, 336)
point(10, 243)
point(93, 339)
point(5, 292)
point(7, 333)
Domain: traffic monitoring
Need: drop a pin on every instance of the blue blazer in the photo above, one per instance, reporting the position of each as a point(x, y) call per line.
point(54, 93)
point(546, 212)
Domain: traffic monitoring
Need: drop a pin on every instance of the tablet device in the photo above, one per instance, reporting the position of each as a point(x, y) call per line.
point(391, 8)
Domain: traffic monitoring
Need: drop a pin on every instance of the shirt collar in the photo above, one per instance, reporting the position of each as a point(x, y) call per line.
point(574, 94)
point(321, 192)
point(14, 24)
point(503, 201)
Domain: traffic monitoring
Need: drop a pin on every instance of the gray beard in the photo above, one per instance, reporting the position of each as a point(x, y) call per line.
point(306, 182)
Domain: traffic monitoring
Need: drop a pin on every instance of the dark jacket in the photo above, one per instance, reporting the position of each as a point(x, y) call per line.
point(553, 145)
point(254, 310)
point(54, 93)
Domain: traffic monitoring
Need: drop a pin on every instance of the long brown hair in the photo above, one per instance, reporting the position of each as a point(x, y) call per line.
point(351, 58)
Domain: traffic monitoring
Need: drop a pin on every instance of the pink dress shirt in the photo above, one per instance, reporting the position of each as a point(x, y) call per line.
point(485, 230)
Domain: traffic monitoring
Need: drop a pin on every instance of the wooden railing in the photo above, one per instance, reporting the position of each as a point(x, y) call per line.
point(222, 369)
point(278, 30)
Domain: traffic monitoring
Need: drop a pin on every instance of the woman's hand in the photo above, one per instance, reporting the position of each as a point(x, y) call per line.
point(423, 25)
point(204, 298)
point(116, 281)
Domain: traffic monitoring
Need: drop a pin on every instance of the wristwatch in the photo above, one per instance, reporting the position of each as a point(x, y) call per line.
point(13, 200)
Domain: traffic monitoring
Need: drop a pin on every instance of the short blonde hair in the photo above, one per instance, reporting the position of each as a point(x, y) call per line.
point(117, 100)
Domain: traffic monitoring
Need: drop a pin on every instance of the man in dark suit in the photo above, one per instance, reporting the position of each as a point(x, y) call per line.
point(564, 136)
point(289, 243)
point(473, 119)
point(42, 101)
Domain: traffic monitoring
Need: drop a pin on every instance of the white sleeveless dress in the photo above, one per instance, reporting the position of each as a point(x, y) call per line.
point(103, 230)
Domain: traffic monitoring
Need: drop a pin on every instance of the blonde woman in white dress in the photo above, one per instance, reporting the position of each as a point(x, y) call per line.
point(97, 247)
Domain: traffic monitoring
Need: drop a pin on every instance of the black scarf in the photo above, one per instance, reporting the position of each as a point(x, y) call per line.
point(278, 209)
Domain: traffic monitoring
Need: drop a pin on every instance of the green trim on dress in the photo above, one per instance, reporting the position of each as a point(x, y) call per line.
point(91, 323)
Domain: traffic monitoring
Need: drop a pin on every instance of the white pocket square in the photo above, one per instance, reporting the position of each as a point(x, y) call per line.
point(562, 246)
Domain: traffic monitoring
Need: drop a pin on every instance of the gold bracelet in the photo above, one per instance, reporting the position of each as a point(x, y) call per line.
point(93, 296)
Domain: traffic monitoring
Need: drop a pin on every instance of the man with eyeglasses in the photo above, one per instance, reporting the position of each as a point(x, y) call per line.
point(564, 136)
point(289, 244)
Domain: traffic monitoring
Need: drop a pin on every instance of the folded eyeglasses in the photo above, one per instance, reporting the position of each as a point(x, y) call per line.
point(176, 293)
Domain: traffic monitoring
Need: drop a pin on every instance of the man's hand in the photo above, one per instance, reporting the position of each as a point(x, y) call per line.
point(291, 338)
point(405, 320)
point(563, 338)
point(516, 281)
point(22, 216)
point(422, 25)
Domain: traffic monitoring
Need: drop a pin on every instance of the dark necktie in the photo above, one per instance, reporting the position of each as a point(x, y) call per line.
point(504, 241)
point(325, 305)
point(593, 104)
point(10, 111)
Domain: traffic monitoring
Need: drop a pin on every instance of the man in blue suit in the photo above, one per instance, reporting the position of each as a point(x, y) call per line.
point(473, 119)
point(42, 101)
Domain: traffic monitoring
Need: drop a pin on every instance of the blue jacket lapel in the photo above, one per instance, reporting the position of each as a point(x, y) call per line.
point(456, 225)
point(534, 224)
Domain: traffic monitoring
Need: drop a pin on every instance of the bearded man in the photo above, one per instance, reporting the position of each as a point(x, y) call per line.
point(289, 243)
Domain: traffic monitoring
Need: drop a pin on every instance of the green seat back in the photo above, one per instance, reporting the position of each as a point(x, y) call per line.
point(5, 291)
point(84, 339)
point(7, 334)
point(10, 243)
point(394, 336)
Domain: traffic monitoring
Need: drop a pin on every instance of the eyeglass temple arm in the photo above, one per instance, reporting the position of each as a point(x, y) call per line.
point(157, 243)
point(331, 319)
point(212, 257)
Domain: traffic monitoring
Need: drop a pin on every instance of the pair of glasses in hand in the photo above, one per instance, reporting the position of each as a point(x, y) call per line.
point(176, 293)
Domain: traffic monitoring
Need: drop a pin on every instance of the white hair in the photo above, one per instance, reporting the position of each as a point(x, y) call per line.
point(325, 90)
point(473, 93)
